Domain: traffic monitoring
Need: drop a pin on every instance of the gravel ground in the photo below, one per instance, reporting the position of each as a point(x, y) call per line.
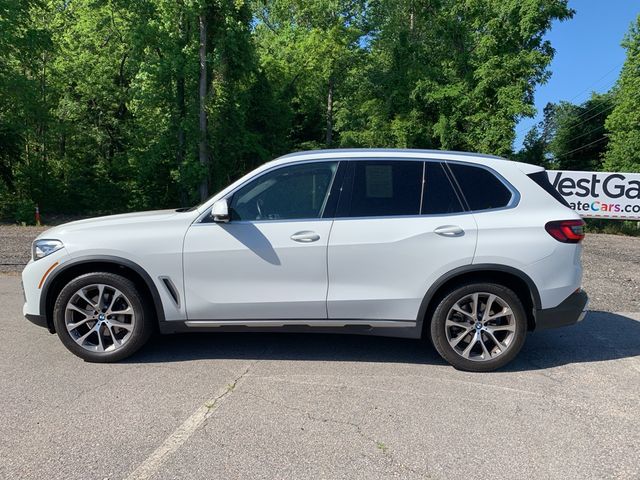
point(612, 272)
point(15, 246)
point(611, 265)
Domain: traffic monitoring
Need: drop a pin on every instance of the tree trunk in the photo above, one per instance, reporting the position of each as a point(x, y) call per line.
point(181, 151)
point(182, 111)
point(42, 132)
point(203, 148)
point(412, 17)
point(329, 138)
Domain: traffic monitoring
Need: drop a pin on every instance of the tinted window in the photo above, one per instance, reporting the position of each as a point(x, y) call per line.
point(439, 195)
point(481, 188)
point(385, 188)
point(298, 191)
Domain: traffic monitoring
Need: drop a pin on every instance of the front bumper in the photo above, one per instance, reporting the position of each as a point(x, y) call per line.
point(571, 310)
point(34, 275)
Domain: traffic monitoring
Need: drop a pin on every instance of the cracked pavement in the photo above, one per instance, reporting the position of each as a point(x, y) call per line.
point(293, 406)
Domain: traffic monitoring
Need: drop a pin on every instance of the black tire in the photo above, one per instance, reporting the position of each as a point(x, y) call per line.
point(439, 334)
point(142, 328)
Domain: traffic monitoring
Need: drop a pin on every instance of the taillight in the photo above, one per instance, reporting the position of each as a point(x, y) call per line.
point(566, 231)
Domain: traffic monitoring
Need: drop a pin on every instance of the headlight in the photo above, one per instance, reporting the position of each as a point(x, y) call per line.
point(42, 248)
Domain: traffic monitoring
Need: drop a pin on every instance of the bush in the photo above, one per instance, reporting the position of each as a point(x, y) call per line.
point(19, 210)
point(613, 227)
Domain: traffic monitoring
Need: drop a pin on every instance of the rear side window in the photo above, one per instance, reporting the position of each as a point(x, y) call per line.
point(384, 188)
point(481, 188)
point(439, 196)
point(542, 179)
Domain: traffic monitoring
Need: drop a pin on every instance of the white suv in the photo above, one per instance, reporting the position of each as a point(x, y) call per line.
point(471, 251)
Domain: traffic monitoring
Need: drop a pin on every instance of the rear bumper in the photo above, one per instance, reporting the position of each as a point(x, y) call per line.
point(570, 311)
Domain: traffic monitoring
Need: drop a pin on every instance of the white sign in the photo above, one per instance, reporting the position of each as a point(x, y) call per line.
point(599, 194)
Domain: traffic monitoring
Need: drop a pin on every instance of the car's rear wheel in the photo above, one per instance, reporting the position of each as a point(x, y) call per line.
point(479, 327)
point(101, 317)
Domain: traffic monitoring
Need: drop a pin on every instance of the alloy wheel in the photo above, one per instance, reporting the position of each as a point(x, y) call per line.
point(480, 326)
point(99, 318)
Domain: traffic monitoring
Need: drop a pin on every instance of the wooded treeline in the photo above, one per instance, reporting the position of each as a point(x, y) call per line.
point(114, 105)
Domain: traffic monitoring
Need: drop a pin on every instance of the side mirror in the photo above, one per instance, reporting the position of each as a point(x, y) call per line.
point(220, 211)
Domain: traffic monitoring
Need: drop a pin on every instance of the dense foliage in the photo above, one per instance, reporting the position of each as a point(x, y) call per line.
point(623, 124)
point(570, 137)
point(113, 105)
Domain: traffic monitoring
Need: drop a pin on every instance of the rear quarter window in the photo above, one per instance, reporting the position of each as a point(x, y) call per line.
point(542, 179)
point(480, 187)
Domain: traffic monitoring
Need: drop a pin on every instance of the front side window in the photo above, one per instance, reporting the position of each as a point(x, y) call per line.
point(480, 187)
point(384, 188)
point(287, 193)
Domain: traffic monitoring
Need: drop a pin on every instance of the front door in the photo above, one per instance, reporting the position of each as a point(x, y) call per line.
point(270, 260)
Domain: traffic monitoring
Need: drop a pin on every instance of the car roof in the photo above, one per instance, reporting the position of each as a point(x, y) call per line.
point(355, 153)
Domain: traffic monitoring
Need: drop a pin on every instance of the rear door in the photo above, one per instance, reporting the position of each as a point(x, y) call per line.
point(392, 238)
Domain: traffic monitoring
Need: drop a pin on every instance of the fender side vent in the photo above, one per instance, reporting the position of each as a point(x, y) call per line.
point(171, 289)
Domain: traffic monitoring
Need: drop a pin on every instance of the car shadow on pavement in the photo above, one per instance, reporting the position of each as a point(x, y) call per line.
point(600, 337)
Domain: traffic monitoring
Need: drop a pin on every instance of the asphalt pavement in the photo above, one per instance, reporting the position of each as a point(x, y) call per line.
point(294, 406)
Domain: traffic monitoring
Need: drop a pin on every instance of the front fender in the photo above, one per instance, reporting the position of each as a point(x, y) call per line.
point(76, 263)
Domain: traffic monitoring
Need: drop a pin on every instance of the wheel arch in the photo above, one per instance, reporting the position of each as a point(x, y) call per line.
point(510, 277)
point(73, 268)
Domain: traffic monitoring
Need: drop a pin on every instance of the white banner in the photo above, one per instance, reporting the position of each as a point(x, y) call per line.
point(599, 194)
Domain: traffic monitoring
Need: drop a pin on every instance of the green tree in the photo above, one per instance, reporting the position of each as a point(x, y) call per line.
point(24, 51)
point(579, 141)
point(306, 49)
point(570, 137)
point(451, 74)
point(534, 148)
point(623, 125)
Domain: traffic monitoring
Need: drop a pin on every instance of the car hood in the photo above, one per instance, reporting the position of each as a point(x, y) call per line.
point(125, 219)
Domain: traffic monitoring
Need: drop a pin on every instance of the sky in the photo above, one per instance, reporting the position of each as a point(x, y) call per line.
point(588, 54)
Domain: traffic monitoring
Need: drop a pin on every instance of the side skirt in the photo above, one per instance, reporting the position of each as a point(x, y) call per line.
point(388, 328)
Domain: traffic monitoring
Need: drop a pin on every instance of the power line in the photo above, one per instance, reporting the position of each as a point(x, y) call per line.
point(586, 133)
point(520, 130)
point(580, 148)
point(592, 116)
point(597, 81)
point(590, 87)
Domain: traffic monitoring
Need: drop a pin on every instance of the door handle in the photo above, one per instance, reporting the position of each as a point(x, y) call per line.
point(449, 231)
point(305, 236)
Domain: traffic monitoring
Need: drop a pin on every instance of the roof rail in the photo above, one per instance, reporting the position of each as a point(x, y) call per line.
point(365, 151)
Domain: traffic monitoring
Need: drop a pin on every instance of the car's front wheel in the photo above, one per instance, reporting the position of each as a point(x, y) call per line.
point(479, 327)
point(101, 317)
